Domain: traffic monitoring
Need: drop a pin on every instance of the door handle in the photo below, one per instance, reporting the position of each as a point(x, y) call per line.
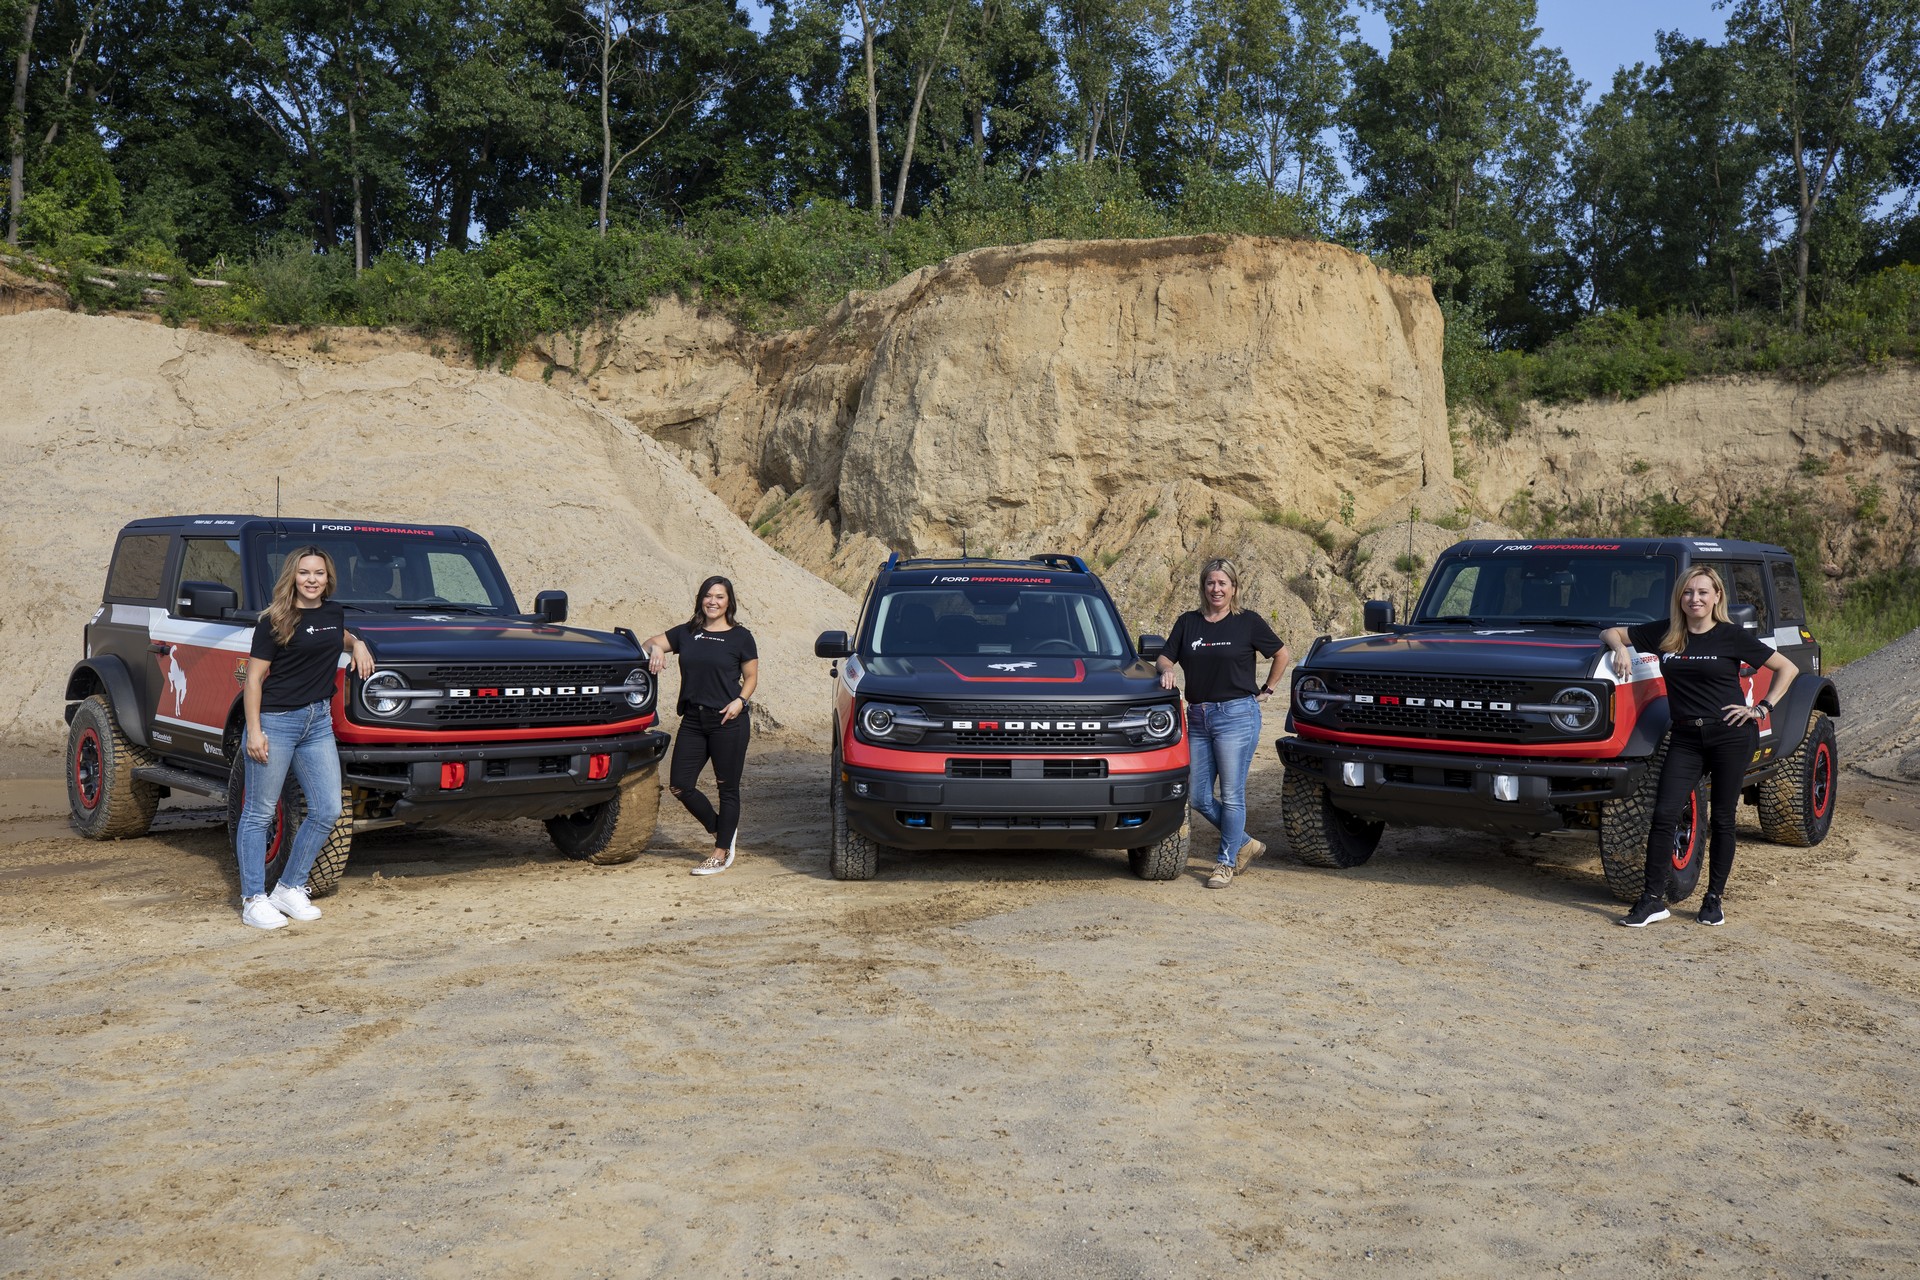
point(154, 646)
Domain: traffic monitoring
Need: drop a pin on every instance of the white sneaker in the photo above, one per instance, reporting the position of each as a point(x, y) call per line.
point(294, 902)
point(260, 913)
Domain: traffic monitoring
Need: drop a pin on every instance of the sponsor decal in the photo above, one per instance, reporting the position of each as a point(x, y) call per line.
point(1557, 546)
point(216, 522)
point(158, 736)
point(240, 671)
point(175, 672)
point(980, 577)
point(210, 749)
point(372, 528)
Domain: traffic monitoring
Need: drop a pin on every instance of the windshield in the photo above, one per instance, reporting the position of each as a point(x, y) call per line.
point(1575, 590)
point(394, 571)
point(956, 621)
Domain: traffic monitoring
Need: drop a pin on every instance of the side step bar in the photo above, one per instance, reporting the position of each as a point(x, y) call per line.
point(180, 780)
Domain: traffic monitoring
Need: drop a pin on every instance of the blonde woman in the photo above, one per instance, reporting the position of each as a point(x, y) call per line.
point(289, 707)
point(1701, 653)
point(1216, 645)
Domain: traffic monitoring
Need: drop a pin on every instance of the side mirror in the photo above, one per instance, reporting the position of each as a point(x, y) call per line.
point(1377, 615)
point(550, 607)
point(832, 644)
point(208, 600)
point(1745, 616)
point(1149, 647)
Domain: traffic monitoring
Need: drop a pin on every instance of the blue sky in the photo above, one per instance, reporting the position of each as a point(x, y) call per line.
point(1601, 36)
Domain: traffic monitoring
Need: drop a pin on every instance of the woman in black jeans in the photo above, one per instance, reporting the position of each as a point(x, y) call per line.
point(719, 668)
point(1701, 653)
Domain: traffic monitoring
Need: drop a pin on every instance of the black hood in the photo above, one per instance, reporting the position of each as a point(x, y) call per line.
point(429, 637)
point(990, 677)
point(1537, 652)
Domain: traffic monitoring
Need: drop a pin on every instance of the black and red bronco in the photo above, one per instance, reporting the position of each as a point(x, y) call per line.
point(475, 710)
point(1494, 707)
point(987, 703)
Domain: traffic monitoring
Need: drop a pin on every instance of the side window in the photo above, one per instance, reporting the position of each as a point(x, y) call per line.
point(1786, 592)
point(1749, 587)
point(138, 563)
point(211, 560)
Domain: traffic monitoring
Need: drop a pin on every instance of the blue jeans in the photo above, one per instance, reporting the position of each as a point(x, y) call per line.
point(301, 740)
point(1221, 737)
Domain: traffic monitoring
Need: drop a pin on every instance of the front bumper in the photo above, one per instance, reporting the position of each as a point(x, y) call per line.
point(1435, 789)
point(933, 811)
point(503, 779)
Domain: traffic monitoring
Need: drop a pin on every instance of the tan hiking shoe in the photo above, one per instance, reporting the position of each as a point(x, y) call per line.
point(1248, 852)
point(1222, 875)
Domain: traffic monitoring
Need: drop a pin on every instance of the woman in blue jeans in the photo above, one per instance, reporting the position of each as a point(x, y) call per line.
point(1215, 644)
point(289, 704)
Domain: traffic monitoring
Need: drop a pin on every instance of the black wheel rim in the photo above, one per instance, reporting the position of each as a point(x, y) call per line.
point(88, 768)
point(1687, 842)
point(1820, 793)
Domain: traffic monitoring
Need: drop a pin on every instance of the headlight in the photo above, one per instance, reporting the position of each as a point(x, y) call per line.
point(877, 721)
point(383, 682)
point(1303, 699)
point(1161, 722)
point(639, 687)
point(1582, 710)
point(892, 723)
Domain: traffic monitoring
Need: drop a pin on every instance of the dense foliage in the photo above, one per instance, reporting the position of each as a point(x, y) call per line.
point(496, 167)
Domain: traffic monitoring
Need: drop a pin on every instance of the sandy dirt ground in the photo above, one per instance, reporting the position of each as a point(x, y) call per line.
point(488, 1061)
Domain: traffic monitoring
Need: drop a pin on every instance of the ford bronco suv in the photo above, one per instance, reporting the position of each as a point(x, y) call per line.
point(1495, 707)
point(997, 703)
point(475, 710)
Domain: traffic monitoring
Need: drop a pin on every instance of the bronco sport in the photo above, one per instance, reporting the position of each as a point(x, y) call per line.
point(997, 703)
point(1495, 707)
point(476, 710)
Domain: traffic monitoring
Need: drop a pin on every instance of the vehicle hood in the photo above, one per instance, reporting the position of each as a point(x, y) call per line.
point(429, 637)
point(1519, 652)
point(998, 678)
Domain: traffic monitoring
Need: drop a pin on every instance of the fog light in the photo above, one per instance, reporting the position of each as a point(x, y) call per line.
point(1506, 787)
point(1133, 820)
point(917, 819)
point(599, 766)
point(860, 788)
point(453, 775)
point(1353, 773)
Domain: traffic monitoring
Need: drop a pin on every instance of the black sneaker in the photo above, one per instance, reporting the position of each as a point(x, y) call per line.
point(1645, 912)
point(1710, 912)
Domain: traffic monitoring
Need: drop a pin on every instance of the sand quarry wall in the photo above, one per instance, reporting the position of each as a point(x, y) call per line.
point(108, 419)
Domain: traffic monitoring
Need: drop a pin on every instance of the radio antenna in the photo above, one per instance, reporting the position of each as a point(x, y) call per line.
point(276, 497)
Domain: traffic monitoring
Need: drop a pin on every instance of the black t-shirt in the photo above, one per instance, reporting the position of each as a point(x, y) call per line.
point(710, 663)
point(1218, 656)
point(302, 670)
point(1706, 678)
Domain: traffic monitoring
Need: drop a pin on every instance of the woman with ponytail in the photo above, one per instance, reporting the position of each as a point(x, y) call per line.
point(297, 645)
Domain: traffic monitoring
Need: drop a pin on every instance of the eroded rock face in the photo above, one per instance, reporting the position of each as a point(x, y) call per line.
point(123, 419)
point(1853, 444)
point(1047, 396)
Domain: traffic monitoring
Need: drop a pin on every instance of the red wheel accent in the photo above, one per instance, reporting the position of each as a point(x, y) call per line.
point(89, 766)
point(1822, 787)
point(1683, 853)
point(276, 833)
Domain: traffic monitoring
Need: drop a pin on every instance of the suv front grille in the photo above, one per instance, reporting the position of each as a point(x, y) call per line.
point(1391, 712)
point(514, 696)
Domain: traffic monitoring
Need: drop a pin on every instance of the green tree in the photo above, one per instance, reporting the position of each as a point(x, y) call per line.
point(1832, 85)
point(1456, 134)
point(1663, 177)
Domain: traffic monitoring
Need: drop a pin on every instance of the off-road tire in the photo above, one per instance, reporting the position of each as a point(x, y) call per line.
point(1796, 803)
point(107, 801)
point(851, 855)
point(1624, 824)
point(613, 831)
point(328, 865)
point(1319, 834)
point(1164, 860)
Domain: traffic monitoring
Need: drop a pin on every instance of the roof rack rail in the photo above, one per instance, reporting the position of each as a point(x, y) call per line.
point(1060, 560)
point(1052, 560)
